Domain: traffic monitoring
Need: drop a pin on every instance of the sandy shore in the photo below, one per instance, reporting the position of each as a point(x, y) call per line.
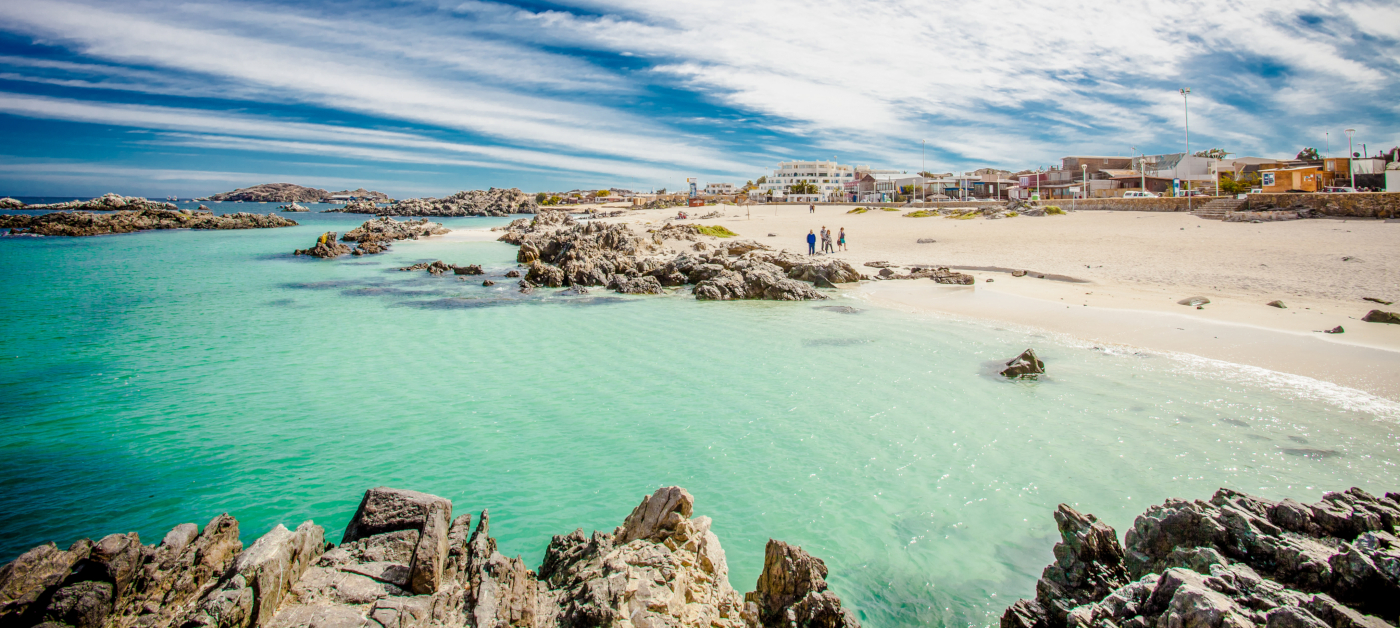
point(1129, 271)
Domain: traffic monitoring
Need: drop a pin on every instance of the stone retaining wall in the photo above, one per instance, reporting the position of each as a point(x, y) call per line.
point(1130, 204)
point(1358, 205)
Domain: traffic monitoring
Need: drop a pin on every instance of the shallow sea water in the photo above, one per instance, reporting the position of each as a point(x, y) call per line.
point(152, 379)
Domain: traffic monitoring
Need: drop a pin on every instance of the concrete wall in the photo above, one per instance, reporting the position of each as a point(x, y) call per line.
point(1360, 205)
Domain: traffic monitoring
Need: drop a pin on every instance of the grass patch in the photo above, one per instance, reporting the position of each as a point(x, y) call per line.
point(1054, 209)
point(889, 209)
point(715, 230)
point(922, 213)
point(968, 215)
point(859, 210)
point(1012, 214)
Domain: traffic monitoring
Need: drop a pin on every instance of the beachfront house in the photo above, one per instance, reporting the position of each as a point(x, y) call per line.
point(828, 177)
point(716, 189)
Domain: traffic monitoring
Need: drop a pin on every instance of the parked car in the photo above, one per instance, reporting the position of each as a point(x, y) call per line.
point(1338, 190)
point(1193, 193)
point(1139, 194)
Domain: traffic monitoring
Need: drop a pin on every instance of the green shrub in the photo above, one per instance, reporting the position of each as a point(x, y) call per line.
point(922, 213)
point(859, 210)
point(967, 215)
point(1054, 209)
point(1012, 214)
point(715, 230)
point(890, 209)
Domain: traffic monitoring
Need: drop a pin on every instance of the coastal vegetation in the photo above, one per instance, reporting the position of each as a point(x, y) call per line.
point(922, 213)
point(718, 231)
point(1054, 210)
point(859, 210)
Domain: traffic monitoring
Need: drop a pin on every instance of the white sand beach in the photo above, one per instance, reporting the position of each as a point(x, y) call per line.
point(1129, 270)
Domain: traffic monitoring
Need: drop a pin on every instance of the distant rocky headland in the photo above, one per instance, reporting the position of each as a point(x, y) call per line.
point(290, 193)
point(493, 202)
point(404, 561)
point(1234, 561)
point(131, 214)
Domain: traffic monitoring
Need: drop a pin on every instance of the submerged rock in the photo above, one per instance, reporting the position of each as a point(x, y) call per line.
point(1236, 560)
point(470, 269)
point(1024, 365)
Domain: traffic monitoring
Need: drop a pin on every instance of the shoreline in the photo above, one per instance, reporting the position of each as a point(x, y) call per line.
point(1141, 265)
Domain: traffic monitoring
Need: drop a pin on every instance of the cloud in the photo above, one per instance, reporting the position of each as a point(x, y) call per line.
point(648, 91)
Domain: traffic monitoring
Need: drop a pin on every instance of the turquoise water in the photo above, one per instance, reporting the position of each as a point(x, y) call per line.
point(152, 379)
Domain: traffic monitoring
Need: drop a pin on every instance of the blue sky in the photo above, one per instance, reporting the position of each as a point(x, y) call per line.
point(426, 98)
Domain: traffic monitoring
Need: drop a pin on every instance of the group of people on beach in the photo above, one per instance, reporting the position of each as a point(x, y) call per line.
point(826, 236)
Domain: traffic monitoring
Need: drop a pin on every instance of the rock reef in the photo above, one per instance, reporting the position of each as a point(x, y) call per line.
point(492, 202)
point(559, 251)
point(372, 237)
point(1236, 560)
point(82, 223)
point(405, 561)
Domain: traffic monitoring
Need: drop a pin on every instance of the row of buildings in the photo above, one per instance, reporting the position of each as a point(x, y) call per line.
point(1075, 177)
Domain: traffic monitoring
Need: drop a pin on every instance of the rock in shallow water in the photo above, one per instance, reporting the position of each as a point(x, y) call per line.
point(1024, 365)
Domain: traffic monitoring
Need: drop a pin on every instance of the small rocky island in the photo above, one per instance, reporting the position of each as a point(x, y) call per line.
point(560, 252)
point(493, 202)
point(291, 193)
point(130, 214)
point(404, 561)
point(1234, 561)
point(374, 236)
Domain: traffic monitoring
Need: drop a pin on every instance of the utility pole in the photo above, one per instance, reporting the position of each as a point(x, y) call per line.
point(1186, 118)
point(922, 169)
point(1351, 168)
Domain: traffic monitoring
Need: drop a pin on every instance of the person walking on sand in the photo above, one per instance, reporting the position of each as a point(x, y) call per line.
point(811, 243)
point(841, 241)
point(826, 240)
point(811, 208)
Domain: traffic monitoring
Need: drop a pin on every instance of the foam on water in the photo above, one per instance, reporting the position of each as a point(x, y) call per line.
point(157, 378)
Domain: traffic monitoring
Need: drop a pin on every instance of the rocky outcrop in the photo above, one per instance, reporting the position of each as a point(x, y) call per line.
point(11, 203)
point(406, 562)
point(147, 217)
point(291, 207)
point(117, 582)
point(1236, 560)
point(1025, 365)
point(387, 230)
point(106, 202)
point(325, 247)
point(492, 202)
point(469, 269)
point(792, 591)
point(289, 193)
point(559, 252)
point(436, 267)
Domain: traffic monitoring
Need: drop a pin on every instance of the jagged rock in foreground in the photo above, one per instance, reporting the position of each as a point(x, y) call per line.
point(147, 217)
point(561, 252)
point(326, 247)
point(492, 202)
point(406, 562)
point(1237, 560)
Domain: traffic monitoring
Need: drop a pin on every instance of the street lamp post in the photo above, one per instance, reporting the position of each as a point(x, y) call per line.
point(1186, 119)
point(1351, 169)
point(1084, 180)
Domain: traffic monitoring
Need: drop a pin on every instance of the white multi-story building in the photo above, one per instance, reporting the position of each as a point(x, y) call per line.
point(720, 188)
point(829, 177)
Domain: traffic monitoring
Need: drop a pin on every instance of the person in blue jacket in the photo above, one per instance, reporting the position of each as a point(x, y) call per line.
point(811, 242)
